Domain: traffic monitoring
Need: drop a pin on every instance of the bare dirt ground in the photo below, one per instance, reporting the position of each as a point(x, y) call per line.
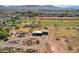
point(59, 40)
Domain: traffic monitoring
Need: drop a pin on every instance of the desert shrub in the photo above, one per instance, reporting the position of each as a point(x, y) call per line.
point(67, 28)
point(58, 39)
point(45, 28)
point(7, 30)
point(70, 48)
point(73, 28)
point(4, 32)
point(26, 42)
point(31, 51)
point(12, 50)
point(34, 41)
point(29, 43)
point(21, 34)
point(5, 50)
point(17, 27)
point(64, 36)
point(6, 39)
point(66, 41)
point(19, 50)
point(37, 41)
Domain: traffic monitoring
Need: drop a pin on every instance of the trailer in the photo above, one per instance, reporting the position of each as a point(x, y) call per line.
point(40, 32)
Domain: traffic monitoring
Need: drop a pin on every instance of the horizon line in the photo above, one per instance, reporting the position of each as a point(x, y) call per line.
point(42, 5)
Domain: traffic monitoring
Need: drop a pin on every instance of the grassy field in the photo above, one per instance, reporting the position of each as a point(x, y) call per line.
point(64, 23)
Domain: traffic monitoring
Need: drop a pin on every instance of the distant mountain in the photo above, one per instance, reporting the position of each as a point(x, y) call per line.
point(2, 7)
point(73, 7)
point(47, 7)
point(39, 7)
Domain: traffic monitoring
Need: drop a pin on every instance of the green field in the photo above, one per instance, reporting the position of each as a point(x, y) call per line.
point(64, 23)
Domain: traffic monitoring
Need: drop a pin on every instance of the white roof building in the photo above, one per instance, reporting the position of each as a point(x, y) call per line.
point(37, 31)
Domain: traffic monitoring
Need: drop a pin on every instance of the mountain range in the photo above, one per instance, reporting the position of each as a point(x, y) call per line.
point(46, 7)
point(73, 7)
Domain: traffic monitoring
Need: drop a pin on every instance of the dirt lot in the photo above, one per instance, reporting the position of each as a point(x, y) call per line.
point(59, 40)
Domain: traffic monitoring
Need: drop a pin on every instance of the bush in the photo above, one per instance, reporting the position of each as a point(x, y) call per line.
point(28, 43)
point(37, 42)
point(3, 33)
point(70, 48)
point(66, 41)
point(7, 30)
point(58, 39)
point(19, 50)
point(45, 28)
point(31, 51)
point(17, 27)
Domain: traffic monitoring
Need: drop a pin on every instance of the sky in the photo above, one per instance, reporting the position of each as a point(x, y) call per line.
point(39, 2)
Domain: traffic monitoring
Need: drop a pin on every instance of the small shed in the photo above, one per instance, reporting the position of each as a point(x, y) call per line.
point(37, 33)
